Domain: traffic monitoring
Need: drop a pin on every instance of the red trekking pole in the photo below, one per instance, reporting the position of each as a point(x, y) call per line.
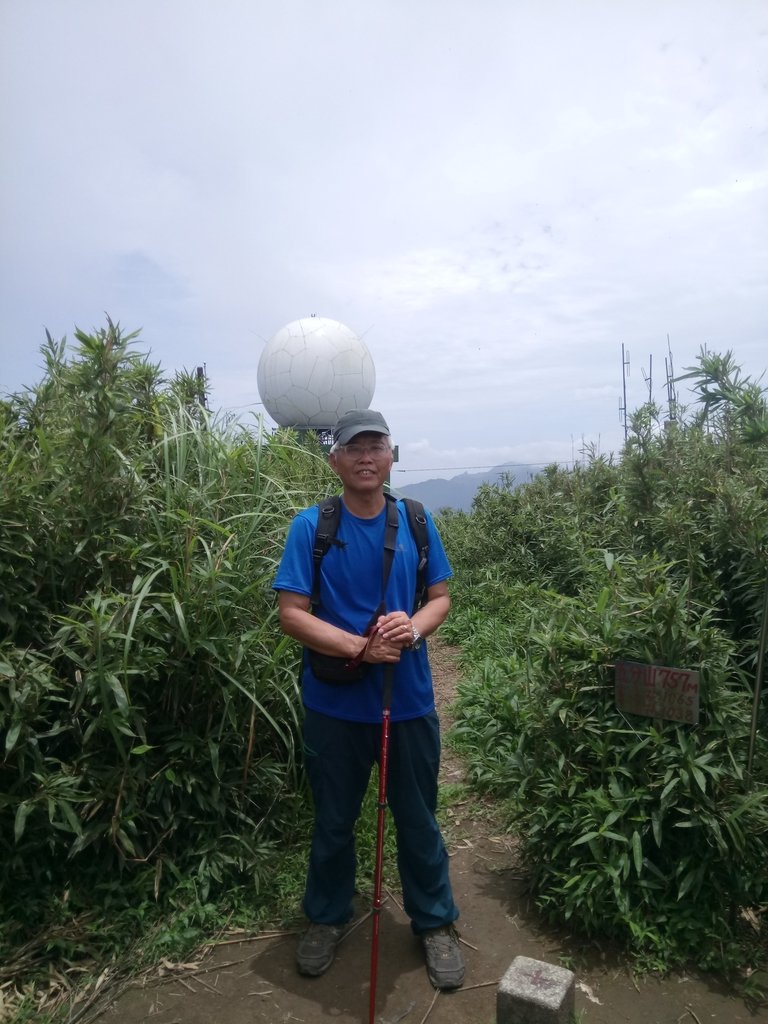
point(382, 806)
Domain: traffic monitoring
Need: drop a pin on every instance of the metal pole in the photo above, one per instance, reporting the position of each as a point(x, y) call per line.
point(758, 685)
point(382, 806)
point(624, 387)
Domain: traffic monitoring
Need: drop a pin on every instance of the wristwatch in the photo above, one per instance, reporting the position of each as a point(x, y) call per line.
point(418, 639)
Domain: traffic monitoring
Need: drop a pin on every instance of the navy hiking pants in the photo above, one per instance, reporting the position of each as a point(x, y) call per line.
point(339, 756)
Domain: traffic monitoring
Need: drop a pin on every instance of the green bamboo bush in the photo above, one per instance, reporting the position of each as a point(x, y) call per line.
point(148, 703)
point(645, 831)
point(641, 830)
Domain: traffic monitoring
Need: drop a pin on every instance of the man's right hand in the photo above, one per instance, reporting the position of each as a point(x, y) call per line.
point(381, 651)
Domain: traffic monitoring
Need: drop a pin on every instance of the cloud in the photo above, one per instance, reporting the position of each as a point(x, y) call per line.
point(496, 198)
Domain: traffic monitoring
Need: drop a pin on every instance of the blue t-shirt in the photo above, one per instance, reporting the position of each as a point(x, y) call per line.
point(350, 591)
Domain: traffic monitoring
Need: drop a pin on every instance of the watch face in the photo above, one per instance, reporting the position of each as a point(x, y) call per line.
point(418, 640)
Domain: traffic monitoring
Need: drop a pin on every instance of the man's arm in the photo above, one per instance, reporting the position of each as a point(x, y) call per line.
point(297, 621)
point(435, 611)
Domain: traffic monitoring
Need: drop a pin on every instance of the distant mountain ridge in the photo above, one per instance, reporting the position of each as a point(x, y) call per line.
point(458, 492)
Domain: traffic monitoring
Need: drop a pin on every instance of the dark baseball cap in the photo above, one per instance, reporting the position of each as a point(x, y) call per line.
point(359, 421)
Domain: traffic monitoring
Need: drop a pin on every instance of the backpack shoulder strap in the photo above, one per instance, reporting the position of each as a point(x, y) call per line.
point(328, 516)
point(417, 521)
point(390, 541)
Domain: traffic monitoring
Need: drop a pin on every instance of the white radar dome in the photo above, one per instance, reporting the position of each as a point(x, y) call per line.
point(312, 371)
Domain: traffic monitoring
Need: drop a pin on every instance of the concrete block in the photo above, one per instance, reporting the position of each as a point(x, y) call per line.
point(534, 992)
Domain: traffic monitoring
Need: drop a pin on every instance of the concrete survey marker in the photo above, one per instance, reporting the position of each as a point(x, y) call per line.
point(534, 992)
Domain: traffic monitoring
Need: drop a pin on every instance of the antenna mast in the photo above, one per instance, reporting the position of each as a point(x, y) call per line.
point(623, 402)
point(671, 390)
point(649, 378)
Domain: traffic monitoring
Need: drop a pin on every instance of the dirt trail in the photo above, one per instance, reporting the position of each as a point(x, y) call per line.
point(255, 981)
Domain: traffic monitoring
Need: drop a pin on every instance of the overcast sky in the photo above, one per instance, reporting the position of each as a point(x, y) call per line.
point(494, 194)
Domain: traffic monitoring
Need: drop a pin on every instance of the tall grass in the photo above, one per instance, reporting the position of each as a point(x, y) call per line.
point(148, 701)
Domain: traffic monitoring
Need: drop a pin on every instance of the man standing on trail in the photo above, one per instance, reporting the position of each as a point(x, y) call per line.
point(342, 721)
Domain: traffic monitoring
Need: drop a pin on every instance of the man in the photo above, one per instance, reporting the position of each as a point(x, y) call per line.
point(342, 724)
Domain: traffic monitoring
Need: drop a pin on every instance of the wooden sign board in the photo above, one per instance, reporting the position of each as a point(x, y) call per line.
point(657, 691)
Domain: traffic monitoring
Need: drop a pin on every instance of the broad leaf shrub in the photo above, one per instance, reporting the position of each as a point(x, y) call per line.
point(148, 704)
point(644, 831)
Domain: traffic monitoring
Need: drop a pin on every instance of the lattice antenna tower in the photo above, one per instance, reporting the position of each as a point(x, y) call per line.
point(201, 381)
point(623, 399)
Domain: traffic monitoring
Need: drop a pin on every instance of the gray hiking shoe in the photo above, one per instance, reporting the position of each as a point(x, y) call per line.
point(317, 948)
point(445, 964)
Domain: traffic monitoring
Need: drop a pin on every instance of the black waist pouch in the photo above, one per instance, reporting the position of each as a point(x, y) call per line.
point(331, 669)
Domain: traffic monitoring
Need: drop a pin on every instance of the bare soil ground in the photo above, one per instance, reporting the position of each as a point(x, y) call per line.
point(254, 980)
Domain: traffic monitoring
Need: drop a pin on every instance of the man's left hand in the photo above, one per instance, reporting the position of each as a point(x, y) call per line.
point(396, 627)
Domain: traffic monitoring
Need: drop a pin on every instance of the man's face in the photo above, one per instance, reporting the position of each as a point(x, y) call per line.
point(364, 464)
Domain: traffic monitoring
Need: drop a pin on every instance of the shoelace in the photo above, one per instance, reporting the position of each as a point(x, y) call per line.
point(443, 943)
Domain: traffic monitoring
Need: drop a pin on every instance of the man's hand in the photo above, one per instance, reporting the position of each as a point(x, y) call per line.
point(396, 628)
point(381, 650)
